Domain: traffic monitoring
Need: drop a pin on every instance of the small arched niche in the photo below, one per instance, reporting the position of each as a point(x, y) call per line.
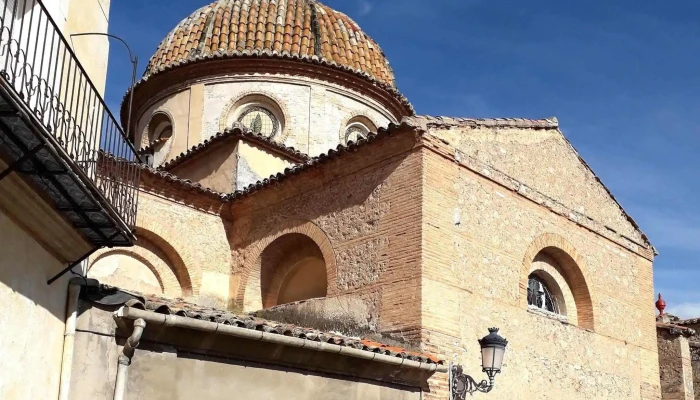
point(555, 285)
point(292, 269)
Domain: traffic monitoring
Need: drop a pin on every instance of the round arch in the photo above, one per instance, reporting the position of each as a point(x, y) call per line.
point(173, 257)
point(356, 118)
point(235, 106)
point(251, 287)
point(167, 281)
point(156, 260)
point(572, 270)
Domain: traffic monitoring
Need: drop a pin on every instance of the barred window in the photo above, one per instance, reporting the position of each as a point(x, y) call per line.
point(540, 296)
point(260, 120)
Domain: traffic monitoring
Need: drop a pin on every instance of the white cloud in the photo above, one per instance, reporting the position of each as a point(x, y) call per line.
point(685, 310)
point(365, 7)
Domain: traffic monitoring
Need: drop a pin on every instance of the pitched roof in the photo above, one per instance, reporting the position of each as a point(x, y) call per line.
point(182, 308)
point(426, 122)
point(240, 132)
point(110, 161)
point(339, 151)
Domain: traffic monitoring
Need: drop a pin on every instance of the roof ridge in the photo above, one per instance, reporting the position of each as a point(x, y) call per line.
point(433, 121)
point(240, 131)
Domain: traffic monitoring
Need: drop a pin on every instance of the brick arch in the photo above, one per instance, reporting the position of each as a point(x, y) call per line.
point(180, 256)
point(165, 276)
point(249, 292)
point(573, 270)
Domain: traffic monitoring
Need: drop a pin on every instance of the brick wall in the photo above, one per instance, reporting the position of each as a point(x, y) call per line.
point(364, 213)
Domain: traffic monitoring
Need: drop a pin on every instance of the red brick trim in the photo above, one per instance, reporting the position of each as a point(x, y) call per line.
point(574, 271)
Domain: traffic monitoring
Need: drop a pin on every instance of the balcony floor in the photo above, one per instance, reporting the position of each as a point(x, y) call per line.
point(57, 179)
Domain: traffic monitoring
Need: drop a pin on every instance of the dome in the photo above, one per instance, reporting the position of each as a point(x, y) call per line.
point(303, 29)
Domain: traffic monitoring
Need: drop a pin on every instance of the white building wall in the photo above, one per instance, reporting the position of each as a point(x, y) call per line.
point(32, 317)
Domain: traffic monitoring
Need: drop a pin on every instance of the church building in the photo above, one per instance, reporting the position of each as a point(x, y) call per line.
point(284, 177)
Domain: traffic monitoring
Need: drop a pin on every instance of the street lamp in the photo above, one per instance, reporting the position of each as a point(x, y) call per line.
point(493, 347)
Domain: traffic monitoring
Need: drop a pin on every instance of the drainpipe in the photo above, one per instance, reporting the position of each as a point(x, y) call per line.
point(69, 340)
point(125, 358)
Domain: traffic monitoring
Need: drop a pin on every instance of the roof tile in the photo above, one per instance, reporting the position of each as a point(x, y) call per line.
point(239, 25)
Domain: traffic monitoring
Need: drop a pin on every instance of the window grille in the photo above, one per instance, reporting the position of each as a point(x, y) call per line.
point(540, 296)
point(259, 120)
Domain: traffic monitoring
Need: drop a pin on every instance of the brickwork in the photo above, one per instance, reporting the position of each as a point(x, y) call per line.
point(190, 242)
point(172, 276)
point(363, 212)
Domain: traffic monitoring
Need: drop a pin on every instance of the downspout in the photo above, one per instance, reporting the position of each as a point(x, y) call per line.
point(125, 358)
point(69, 340)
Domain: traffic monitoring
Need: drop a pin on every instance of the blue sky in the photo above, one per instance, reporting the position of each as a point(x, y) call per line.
point(622, 77)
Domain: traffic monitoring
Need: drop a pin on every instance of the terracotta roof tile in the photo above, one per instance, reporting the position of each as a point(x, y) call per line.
point(187, 309)
point(675, 329)
point(109, 161)
point(234, 26)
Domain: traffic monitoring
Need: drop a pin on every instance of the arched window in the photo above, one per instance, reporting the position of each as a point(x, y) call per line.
point(160, 129)
point(257, 112)
point(260, 120)
point(539, 295)
point(358, 128)
point(356, 131)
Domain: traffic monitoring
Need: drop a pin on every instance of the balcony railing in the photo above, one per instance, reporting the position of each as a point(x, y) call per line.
point(44, 83)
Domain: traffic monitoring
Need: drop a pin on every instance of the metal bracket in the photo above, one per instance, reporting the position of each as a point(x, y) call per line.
point(462, 384)
point(20, 160)
point(81, 259)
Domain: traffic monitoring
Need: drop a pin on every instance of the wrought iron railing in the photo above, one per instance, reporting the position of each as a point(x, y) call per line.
point(37, 62)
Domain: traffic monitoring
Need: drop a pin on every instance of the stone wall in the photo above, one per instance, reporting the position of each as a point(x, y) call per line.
point(540, 158)
point(185, 248)
point(479, 240)
point(675, 370)
point(441, 250)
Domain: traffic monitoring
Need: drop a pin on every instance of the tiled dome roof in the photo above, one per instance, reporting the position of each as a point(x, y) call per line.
point(297, 28)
